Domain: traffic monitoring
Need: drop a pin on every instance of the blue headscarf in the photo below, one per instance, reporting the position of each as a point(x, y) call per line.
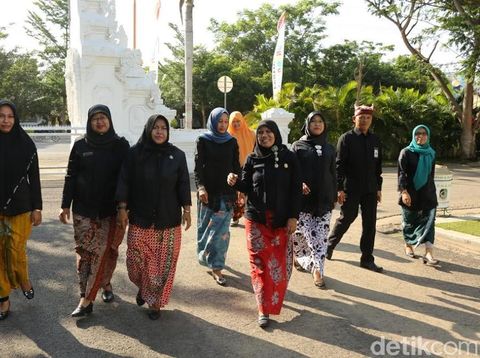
point(213, 134)
point(425, 158)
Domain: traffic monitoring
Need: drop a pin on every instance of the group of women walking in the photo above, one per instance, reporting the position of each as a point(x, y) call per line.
point(286, 197)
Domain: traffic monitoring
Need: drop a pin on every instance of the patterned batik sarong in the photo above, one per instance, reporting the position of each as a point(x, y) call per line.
point(418, 226)
point(14, 233)
point(97, 243)
point(310, 241)
point(239, 207)
point(152, 257)
point(270, 264)
point(213, 234)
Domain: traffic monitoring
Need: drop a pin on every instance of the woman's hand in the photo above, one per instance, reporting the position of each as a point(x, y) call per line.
point(203, 195)
point(341, 197)
point(36, 217)
point(232, 179)
point(291, 226)
point(305, 189)
point(406, 199)
point(122, 218)
point(187, 217)
point(64, 215)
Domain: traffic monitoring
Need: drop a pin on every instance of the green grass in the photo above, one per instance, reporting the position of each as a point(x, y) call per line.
point(467, 227)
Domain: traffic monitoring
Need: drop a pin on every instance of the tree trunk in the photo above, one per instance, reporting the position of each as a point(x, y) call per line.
point(188, 63)
point(467, 139)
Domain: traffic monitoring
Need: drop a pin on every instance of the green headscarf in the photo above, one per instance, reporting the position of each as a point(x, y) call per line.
point(425, 158)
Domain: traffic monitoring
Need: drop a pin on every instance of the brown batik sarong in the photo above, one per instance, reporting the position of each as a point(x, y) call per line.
point(97, 243)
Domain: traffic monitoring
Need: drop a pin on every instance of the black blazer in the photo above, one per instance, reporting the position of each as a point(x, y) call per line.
point(155, 186)
point(91, 179)
point(270, 188)
point(213, 163)
point(319, 173)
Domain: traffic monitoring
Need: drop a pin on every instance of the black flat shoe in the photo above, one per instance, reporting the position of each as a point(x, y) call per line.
point(29, 294)
point(139, 299)
point(153, 314)
point(108, 296)
point(4, 314)
point(371, 266)
point(81, 311)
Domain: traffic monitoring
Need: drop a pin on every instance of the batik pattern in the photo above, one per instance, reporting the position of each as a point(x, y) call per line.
point(310, 241)
point(269, 253)
point(213, 234)
point(14, 233)
point(96, 245)
point(152, 257)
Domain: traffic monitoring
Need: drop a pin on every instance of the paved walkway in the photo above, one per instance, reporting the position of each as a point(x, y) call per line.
point(359, 314)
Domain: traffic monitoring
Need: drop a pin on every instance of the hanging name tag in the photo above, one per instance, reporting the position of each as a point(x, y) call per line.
point(375, 152)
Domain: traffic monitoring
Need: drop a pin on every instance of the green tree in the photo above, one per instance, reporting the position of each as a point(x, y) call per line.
point(252, 38)
point(49, 25)
point(459, 20)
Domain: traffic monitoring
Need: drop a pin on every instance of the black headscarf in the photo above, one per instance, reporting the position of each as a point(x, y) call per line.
point(96, 139)
point(17, 150)
point(146, 143)
point(314, 140)
point(260, 151)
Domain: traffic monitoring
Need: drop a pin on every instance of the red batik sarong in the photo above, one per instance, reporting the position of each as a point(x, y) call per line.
point(152, 260)
point(269, 253)
point(96, 245)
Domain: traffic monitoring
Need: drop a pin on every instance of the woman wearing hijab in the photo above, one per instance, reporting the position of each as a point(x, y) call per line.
point(93, 168)
point(317, 162)
point(245, 137)
point(272, 182)
point(20, 204)
point(153, 187)
point(418, 199)
point(216, 155)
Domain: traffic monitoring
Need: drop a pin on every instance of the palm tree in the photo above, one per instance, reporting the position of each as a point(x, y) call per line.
point(188, 59)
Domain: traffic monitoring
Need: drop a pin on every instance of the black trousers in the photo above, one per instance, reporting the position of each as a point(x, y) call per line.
point(348, 214)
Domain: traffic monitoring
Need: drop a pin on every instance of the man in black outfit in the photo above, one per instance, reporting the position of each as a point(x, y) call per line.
point(359, 173)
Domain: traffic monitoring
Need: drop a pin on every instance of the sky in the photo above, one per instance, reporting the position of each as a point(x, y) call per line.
point(353, 23)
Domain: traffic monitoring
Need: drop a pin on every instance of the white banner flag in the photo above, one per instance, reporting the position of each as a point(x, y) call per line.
point(277, 64)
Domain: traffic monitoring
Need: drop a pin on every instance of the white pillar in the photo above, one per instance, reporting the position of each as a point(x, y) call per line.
point(282, 118)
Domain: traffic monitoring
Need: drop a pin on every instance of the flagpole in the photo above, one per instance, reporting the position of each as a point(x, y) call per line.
point(134, 24)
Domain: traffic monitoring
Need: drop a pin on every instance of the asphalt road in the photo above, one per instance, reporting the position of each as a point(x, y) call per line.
point(359, 314)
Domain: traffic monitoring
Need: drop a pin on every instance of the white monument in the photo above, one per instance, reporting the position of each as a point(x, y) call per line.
point(100, 68)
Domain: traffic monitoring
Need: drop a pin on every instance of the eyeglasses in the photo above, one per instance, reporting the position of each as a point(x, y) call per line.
point(420, 133)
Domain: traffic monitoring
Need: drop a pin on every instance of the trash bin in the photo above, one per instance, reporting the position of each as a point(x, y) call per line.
point(443, 181)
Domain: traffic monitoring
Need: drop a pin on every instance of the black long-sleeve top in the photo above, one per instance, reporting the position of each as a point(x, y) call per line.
point(267, 187)
point(91, 179)
point(424, 198)
point(28, 195)
point(359, 163)
point(155, 186)
point(319, 173)
point(213, 163)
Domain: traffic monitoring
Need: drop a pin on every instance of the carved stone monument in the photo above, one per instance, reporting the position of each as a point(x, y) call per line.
point(100, 68)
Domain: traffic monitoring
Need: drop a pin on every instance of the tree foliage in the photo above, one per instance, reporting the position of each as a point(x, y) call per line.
point(49, 24)
point(459, 20)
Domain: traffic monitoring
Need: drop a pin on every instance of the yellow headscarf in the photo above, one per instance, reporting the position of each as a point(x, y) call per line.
point(244, 135)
